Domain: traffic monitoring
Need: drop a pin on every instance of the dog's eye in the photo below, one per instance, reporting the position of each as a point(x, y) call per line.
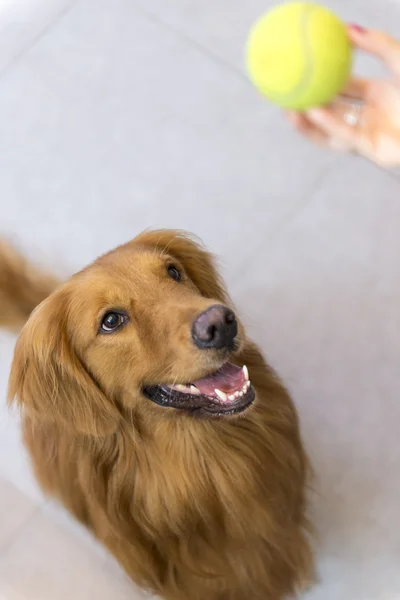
point(112, 321)
point(174, 273)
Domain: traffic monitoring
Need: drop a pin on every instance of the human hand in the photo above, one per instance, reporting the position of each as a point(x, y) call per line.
point(366, 118)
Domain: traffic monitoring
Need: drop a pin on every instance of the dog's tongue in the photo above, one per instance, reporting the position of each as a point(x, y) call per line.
point(228, 379)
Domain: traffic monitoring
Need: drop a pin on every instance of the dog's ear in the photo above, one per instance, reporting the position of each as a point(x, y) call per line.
point(197, 262)
point(50, 381)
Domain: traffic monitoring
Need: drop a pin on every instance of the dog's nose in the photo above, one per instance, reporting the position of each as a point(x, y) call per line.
point(215, 328)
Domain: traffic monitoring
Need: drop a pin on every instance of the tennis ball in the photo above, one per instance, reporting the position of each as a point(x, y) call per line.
point(299, 55)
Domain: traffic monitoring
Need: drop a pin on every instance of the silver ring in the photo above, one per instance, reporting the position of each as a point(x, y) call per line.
point(353, 116)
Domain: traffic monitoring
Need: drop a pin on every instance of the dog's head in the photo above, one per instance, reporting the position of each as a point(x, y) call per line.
point(146, 325)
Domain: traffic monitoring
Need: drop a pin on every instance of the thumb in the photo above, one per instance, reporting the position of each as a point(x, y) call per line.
point(379, 44)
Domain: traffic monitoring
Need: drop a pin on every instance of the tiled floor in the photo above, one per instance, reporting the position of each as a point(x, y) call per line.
point(116, 115)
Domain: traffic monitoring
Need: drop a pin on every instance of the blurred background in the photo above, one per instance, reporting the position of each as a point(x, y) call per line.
point(119, 115)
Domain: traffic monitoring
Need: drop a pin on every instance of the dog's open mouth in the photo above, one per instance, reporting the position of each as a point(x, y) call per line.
point(227, 391)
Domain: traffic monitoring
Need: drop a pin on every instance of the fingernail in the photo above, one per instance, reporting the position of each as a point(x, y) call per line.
point(316, 114)
point(358, 28)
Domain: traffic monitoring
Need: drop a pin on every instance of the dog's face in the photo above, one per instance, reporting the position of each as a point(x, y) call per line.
point(147, 323)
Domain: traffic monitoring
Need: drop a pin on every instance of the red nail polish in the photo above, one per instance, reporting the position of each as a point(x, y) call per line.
point(358, 28)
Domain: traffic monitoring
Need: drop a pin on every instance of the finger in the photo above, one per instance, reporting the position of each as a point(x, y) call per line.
point(334, 127)
point(314, 134)
point(293, 117)
point(308, 129)
point(357, 88)
point(379, 44)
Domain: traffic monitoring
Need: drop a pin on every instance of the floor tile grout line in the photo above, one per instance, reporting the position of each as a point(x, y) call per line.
point(390, 172)
point(5, 547)
point(315, 186)
point(57, 18)
point(215, 57)
point(307, 198)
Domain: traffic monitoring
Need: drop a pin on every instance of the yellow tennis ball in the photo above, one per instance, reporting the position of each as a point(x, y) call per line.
point(299, 55)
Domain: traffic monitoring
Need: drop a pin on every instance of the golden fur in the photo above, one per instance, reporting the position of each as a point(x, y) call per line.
point(194, 509)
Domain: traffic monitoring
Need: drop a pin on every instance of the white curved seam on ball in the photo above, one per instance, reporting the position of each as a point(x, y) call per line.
point(306, 78)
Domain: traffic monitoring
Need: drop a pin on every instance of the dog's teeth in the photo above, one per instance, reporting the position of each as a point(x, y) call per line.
point(241, 393)
point(237, 394)
point(245, 372)
point(247, 385)
point(221, 395)
point(180, 388)
point(231, 397)
point(194, 390)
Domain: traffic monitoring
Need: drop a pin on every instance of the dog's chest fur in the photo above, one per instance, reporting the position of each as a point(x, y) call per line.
point(211, 506)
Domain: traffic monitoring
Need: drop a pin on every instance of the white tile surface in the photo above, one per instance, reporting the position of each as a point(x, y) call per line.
point(16, 510)
point(47, 561)
point(323, 301)
point(14, 463)
point(127, 127)
point(223, 29)
point(23, 22)
point(119, 115)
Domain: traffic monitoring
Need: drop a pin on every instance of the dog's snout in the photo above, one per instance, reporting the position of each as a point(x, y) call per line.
point(215, 328)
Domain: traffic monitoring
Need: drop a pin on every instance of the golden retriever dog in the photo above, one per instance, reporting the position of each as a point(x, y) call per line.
point(157, 423)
